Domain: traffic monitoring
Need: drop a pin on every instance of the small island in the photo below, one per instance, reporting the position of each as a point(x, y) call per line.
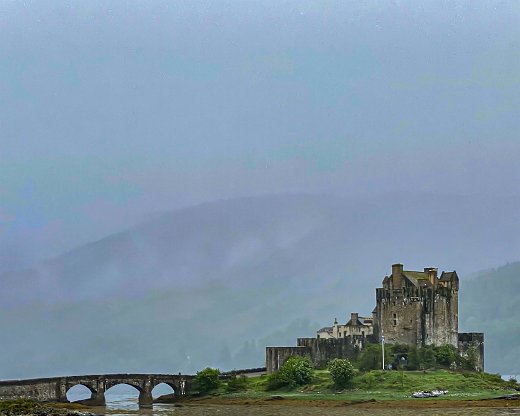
point(408, 353)
point(298, 384)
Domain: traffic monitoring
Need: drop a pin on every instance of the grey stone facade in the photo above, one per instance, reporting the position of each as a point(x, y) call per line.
point(418, 308)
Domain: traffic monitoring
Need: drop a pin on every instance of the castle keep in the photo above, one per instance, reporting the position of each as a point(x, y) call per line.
point(412, 307)
point(418, 308)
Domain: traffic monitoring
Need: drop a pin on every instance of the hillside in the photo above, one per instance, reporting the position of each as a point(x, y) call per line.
point(489, 304)
point(215, 283)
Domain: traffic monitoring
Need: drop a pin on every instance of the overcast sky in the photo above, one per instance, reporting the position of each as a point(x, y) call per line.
point(112, 111)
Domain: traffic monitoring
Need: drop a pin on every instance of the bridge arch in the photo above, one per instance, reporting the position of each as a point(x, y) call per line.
point(112, 383)
point(79, 391)
point(122, 394)
point(163, 388)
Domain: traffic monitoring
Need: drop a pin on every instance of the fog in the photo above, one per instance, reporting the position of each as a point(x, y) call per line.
point(117, 114)
point(111, 112)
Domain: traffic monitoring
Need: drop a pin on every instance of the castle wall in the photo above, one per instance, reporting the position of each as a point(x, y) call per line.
point(417, 316)
point(397, 317)
point(275, 357)
point(324, 350)
point(472, 341)
point(442, 321)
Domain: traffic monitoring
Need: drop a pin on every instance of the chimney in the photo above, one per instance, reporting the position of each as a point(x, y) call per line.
point(397, 271)
point(353, 319)
point(432, 274)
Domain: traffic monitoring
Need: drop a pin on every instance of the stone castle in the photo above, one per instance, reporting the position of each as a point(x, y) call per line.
point(413, 307)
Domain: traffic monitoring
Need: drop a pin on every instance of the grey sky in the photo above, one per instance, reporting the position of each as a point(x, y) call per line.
point(111, 111)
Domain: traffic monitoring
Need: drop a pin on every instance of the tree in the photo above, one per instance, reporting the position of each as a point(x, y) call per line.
point(426, 357)
point(447, 354)
point(370, 357)
point(341, 371)
point(207, 379)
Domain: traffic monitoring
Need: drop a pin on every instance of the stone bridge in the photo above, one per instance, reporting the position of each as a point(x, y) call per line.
point(55, 389)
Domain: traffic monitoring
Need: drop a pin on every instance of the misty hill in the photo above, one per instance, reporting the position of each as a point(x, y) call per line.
point(215, 283)
point(308, 239)
point(489, 304)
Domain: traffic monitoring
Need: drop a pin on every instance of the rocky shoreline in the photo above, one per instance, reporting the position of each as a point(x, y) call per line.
point(31, 408)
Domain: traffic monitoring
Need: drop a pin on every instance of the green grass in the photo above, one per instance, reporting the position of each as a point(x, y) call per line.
point(388, 385)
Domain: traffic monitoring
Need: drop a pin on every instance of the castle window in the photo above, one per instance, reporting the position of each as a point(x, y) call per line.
point(395, 319)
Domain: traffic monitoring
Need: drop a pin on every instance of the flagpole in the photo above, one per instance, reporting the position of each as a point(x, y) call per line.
point(383, 348)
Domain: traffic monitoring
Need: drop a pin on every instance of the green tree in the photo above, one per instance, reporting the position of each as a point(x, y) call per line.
point(447, 354)
point(207, 379)
point(370, 357)
point(426, 356)
point(414, 361)
point(341, 372)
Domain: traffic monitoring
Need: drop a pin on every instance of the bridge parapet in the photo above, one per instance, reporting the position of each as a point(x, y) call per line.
point(55, 389)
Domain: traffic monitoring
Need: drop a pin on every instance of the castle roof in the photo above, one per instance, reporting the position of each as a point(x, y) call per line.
point(360, 321)
point(417, 278)
point(449, 276)
point(327, 329)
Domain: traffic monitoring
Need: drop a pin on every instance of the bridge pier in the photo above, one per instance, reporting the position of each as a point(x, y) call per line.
point(96, 399)
point(145, 398)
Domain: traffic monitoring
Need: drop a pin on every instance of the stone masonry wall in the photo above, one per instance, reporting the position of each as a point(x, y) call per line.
point(324, 350)
point(275, 357)
point(442, 322)
point(44, 390)
point(474, 340)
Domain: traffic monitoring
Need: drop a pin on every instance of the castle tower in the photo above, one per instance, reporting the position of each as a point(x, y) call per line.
point(418, 308)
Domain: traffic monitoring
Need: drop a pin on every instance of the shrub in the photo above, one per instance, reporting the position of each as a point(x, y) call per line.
point(469, 362)
point(297, 370)
point(341, 371)
point(447, 354)
point(276, 381)
point(207, 379)
point(236, 383)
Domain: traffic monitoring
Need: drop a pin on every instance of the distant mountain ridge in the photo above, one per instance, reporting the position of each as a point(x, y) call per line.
point(211, 284)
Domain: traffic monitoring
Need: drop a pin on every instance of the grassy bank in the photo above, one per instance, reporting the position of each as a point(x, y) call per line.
point(376, 386)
